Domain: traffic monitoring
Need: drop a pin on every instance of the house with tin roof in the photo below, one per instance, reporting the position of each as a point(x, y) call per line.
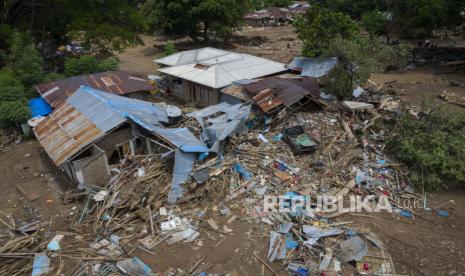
point(197, 76)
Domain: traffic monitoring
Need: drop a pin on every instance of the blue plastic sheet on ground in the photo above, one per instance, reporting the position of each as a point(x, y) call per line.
point(183, 163)
point(240, 169)
point(39, 107)
point(41, 264)
point(134, 266)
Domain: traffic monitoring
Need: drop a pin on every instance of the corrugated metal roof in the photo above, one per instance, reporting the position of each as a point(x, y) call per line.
point(86, 116)
point(275, 91)
point(116, 82)
point(313, 67)
point(65, 132)
point(217, 68)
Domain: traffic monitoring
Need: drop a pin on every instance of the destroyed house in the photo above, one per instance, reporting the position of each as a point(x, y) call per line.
point(197, 76)
point(273, 95)
point(272, 16)
point(92, 129)
point(116, 82)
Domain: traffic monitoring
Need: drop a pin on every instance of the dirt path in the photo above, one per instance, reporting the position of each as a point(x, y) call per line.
point(139, 60)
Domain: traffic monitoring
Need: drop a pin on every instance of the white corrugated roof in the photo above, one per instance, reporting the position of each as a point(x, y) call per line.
point(217, 68)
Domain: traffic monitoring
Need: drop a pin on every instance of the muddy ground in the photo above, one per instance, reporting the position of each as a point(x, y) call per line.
point(429, 245)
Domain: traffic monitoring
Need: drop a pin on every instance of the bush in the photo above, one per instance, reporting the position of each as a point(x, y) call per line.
point(169, 49)
point(13, 103)
point(14, 112)
point(433, 147)
point(11, 89)
point(53, 77)
point(108, 64)
point(80, 66)
point(89, 65)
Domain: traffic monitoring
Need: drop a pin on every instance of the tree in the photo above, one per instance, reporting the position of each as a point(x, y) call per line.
point(277, 3)
point(421, 17)
point(181, 17)
point(357, 59)
point(320, 25)
point(353, 8)
point(109, 24)
point(375, 22)
point(24, 60)
point(355, 65)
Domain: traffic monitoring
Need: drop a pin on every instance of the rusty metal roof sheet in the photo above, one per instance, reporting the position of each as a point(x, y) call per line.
point(275, 91)
point(87, 115)
point(116, 82)
point(65, 132)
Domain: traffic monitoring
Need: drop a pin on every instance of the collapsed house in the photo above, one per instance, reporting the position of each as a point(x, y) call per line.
point(275, 16)
point(116, 82)
point(275, 95)
point(270, 17)
point(197, 76)
point(93, 129)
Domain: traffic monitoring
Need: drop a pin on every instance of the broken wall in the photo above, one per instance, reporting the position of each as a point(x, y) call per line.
point(92, 170)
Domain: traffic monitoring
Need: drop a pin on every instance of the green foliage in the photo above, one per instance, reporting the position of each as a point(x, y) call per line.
point(357, 59)
point(25, 61)
point(13, 107)
point(277, 3)
point(88, 65)
point(354, 8)
point(11, 89)
point(375, 22)
point(421, 17)
point(169, 49)
point(392, 57)
point(80, 66)
point(433, 146)
point(191, 18)
point(412, 18)
point(355, 64)
point(108, 64)
point(320, 25)
point(53, 77)
point(14, 112)
point(109, 24)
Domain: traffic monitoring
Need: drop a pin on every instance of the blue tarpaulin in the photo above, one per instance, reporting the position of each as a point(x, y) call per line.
point(183, 163)
point(41, 264)
point(39, 107)
point(240, 169)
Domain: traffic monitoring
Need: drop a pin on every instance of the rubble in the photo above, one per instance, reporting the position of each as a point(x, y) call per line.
point(236, 164)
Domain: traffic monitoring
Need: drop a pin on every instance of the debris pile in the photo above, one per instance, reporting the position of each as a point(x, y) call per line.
point(251, 172)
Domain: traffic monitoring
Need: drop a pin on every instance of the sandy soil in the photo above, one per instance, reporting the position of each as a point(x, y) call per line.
point(139, 60)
